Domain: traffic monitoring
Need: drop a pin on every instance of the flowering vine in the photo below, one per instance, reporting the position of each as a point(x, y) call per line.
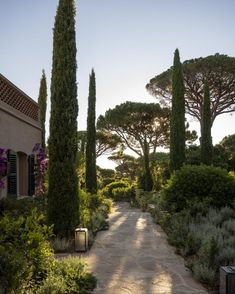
point(41, 167)
point(3, 167)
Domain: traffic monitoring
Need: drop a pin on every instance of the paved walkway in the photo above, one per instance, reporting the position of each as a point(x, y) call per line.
point(134, 257)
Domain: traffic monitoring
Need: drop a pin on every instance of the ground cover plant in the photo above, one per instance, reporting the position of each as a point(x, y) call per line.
point(196, 210)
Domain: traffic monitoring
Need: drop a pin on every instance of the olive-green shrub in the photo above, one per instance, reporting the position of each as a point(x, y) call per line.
point(69, 275)
point(25, 253)
point(27, 262)
point(24, 206)
point(94, 210)
point(108, 190)
point(123, 194)
point(197, 183)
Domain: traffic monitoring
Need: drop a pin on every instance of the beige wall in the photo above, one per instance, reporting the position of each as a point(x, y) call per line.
point(17, 131)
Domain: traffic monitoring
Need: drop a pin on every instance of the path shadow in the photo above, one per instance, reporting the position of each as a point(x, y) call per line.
point(133, 257)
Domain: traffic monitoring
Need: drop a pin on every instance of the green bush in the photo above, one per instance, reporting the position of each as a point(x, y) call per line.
point(161, 173)
point(123, 194)
point(105, 182)
point(144, 198)
point(197, 183)
point(94, 210)
point(68, 276)
point(27, 262)
point(26, 255)
point(24, 206)
point(98, 222)
point(108, 190)
point(107, 203)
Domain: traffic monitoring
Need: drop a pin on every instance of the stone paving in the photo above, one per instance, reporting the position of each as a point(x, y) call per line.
point(134, 257)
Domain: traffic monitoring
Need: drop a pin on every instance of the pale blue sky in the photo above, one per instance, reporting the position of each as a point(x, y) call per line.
point(126, 41)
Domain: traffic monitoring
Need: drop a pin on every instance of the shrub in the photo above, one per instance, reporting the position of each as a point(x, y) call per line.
point(161, 173)
point(108, 190)
point(53, 284)
point(145, 198)
point(125, 193)
point(207, 239)
point(24, 206)
point(204, 273)
point(205, 268)
point(105, 182)
point(61, 244)
point(197, 183)
point(107, 203)
point(68, 276)
point(94, 210)
point(98, 222)
point(26, 256)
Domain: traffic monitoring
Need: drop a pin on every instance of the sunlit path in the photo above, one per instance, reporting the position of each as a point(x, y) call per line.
point(133, 257)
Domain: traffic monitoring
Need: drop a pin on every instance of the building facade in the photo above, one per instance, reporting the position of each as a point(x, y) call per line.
point(19, 132)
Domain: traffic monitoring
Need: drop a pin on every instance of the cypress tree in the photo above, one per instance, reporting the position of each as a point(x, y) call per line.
point(91, 179)
point(177, 120)
point(148, 181)
point(63, 205)
point(42, 102)
point(206, 139)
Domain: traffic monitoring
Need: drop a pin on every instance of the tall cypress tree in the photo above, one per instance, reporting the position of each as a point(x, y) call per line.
point(42, 102)
point(206, 139)
point(177, 120)
point(63, 206)
point(91, 179)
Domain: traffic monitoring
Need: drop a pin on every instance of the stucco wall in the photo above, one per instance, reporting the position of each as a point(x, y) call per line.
point(17, 131)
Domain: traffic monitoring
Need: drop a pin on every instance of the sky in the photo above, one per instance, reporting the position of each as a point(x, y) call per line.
point(126, 41)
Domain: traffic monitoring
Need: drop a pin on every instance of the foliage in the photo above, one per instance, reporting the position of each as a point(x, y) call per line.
point(41, 168)
point(123, 194)
point(177, 120)
point(42, 103)
point(221, 157)
point(228, 146)
point(220, 72)
point(106, 142)
point(22, 207)
point(127, 166)
point(141, 181)
point(161, 173)
point(142, 127)
point(94, 211)
point(63, 206)
point(105, 176)
point(204, 236)
point(26, 256)
point(196, 183)
point(27, 262)
point(206, 139)
point(91, 177)
point(193, 155)
point(3, 167)
point(68, 276)
point(108, 190)
point(144, 198)
point(106, 173)
point(61, 244)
